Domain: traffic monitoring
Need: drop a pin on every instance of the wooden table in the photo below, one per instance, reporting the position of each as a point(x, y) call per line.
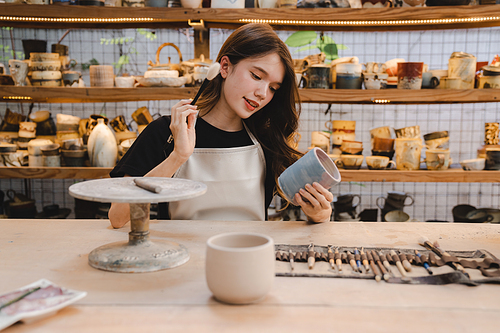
point(179, 299)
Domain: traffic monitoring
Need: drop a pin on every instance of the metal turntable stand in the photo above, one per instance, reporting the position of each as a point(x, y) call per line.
point(139, 254)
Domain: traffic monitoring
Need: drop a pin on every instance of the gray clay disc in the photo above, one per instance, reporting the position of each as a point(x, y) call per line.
point(125, 190)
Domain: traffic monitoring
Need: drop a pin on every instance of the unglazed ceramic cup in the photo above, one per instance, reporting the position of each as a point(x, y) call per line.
point(315, 166)
point(350, 161)
point(379, 162)
point(240, 267)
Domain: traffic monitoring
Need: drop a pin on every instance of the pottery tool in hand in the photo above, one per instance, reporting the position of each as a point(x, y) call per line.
point(310, 256)
point(426, 265)
point(143, 183)
point(17, 299)
point(376, 258)
point(338, 260)
point(213, 71)
point(291, 258)
point(396, 259)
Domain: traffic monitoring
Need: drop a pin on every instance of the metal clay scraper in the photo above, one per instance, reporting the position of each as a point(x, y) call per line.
point(453, 277)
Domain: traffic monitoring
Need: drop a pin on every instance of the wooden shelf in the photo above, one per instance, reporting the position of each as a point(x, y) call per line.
point(352, 96)
point(423, 18)
point(92, 95)
point(54, 172)
point(362, 175)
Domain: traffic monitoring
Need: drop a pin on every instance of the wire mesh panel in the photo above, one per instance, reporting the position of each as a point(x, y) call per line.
point(135, 47)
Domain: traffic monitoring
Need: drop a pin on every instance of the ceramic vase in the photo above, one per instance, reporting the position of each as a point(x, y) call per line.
point(102, 147)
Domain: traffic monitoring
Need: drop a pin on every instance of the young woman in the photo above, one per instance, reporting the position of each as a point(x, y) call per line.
point(236, 139)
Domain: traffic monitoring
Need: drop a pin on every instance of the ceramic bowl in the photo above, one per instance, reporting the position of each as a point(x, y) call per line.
point(51, 149)
point(43, 56)
point(473, 164)
point(397, 216)
point(124, 81)
point(40, 116)
point(35, 145)
point(46, 83)
point(45, 66)
point(460, 212)
point(7, 147)
point(46, 75)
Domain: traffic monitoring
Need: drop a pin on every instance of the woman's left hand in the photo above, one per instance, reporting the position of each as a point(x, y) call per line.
point(315, 201)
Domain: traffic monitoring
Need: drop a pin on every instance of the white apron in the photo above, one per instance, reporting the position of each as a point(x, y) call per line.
point(235, 182)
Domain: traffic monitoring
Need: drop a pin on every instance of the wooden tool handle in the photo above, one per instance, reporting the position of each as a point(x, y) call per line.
point(401, 269)
point(142, 183)
point(339, 265)
point(310, 262)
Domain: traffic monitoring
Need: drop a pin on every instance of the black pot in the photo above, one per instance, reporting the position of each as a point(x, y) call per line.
point(460, 212)
point(33, 45)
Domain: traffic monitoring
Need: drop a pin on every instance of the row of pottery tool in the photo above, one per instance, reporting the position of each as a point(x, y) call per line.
point(382, 263)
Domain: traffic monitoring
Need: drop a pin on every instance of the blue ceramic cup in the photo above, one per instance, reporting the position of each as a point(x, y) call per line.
point(315, 166)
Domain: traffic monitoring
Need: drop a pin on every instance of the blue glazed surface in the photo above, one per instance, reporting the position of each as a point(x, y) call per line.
point(315, 166)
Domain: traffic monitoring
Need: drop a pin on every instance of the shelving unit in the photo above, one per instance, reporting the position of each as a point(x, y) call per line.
point(376, 19)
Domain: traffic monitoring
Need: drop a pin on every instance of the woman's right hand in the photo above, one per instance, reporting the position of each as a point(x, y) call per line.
point(182, 126)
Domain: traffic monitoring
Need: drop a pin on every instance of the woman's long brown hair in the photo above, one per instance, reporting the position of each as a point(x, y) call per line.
point(276, 124)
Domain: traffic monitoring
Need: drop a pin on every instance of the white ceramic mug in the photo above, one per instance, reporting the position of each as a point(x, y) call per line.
point(240, 267)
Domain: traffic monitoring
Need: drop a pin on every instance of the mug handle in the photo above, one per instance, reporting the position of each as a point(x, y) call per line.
point(441, 160)
point(434, 82)
point(389, 165)
point(359, 200)
point(489, 218)
point(339, 163)
point(329, 125)
point(388, 3)
point(412, 201)
point(378, 205)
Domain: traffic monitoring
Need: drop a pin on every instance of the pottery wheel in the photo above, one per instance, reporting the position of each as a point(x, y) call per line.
point(139, 254)
point(125, 190)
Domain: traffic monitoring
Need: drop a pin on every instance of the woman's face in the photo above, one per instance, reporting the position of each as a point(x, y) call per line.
point(251, 84)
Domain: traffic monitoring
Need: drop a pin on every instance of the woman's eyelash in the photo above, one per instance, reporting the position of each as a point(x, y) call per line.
point(255, 76)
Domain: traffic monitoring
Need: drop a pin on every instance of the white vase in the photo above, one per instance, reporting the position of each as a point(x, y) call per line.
point(102, 146)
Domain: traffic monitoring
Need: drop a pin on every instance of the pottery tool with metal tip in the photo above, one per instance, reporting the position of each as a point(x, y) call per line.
point(396, 259)
point(338, 259)
point(310, 256)
point(331, 258)
point(426, 265)
point(213, 71)
point(424, 241)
